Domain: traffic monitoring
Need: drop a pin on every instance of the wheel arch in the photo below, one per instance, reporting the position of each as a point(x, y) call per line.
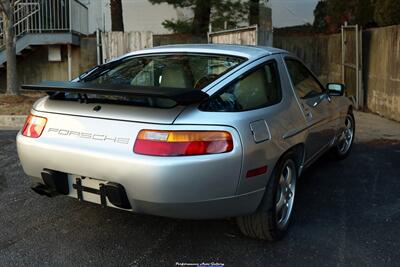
point(350, 109)
point(298, 151)
point(299, 156)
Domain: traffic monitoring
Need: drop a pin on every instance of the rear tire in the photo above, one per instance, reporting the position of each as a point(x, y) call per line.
point(271, 220)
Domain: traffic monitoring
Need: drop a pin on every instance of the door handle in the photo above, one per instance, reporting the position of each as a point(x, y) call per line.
point(308, 114)
point(312, 102)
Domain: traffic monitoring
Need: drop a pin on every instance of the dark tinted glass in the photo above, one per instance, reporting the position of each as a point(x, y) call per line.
point(259, 88)
point(303, 81)
point(164, 71)
point(169, 70)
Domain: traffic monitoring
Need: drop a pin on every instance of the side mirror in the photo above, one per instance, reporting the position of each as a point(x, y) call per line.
point(335, 89)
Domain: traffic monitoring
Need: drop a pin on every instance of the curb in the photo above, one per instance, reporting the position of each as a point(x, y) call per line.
point(12, 121)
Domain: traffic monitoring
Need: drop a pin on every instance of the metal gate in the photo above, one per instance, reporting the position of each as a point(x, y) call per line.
point(352, 64)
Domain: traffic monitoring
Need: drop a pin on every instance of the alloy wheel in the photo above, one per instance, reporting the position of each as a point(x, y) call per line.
point(346, 138)
point(285, 194)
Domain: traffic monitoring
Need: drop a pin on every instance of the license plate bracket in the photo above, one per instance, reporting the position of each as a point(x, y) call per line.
point(80, 189)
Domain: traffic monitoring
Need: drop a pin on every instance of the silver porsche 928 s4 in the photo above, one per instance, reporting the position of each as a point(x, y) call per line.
point(187, 131)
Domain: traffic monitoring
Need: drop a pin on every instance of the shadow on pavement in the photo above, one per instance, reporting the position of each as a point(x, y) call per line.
point(346, 213)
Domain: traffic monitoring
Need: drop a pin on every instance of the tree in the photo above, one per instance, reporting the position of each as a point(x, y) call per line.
point(329, 15)
point(364, 13)
point(230, 14)
point(205, 11)
point(254, 12)
point(339, 12)
point(201, 19)
point(387, 12)
point(320, 13)
point(117, 20)
point(7, 13)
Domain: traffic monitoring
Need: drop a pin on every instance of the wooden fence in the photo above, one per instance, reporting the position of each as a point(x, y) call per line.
point(115, 44)
point(240, 36)
point(381, 64)
point(251, 35)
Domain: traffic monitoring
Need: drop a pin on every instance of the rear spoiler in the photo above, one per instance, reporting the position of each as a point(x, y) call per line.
point(182, 96)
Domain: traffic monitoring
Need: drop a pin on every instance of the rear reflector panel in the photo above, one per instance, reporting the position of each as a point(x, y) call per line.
point(256, 172)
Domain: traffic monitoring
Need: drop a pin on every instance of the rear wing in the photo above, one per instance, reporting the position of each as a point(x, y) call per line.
point(182, 96)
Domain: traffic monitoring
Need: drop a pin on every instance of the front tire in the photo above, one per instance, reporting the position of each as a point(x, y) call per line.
point(271, 220)
point(346, 139)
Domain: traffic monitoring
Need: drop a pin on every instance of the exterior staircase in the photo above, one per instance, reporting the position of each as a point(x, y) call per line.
point(45, 22)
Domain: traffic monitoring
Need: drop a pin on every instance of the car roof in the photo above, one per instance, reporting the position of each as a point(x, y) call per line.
point(247, 51)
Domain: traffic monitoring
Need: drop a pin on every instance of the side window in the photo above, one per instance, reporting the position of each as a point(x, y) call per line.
point(259, 88)
point(303, 81)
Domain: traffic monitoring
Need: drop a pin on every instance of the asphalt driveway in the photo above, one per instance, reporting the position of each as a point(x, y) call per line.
point(347, 213)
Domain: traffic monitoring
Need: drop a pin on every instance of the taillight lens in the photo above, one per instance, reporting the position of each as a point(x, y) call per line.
point(34, 126)
point(182, 143)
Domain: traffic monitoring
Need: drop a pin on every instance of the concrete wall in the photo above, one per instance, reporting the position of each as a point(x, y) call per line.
point(382, 70)
point(381, 64)
point(34, 66)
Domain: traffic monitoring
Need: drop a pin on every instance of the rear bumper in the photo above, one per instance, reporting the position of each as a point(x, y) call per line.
point(199, 187)
point(210, 209)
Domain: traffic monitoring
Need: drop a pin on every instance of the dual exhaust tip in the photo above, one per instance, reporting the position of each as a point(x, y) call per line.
point(44, 190)
point(55, 183)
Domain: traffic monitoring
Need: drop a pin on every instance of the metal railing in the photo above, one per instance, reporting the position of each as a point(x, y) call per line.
point(48, 16)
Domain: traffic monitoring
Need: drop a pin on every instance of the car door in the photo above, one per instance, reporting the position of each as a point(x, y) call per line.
point(253, 102)
point(315, 105)
point(254, 91)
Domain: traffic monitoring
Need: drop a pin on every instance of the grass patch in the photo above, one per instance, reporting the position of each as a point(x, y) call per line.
point(18, 105)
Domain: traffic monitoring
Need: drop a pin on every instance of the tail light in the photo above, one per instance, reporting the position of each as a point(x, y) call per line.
point(34, 126)
point(182, 143)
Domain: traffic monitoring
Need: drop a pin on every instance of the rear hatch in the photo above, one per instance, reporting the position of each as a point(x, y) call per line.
point(151, 88)
point(110, 111)
point(147, 89)
point(88, 132)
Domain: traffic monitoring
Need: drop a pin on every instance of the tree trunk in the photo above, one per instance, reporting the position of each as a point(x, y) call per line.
point(202, 13)
point(8, 18)
point(254, 12)
point(117, 20)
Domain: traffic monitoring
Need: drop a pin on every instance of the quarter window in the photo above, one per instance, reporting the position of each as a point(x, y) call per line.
point(259, 88)
point(305, 84)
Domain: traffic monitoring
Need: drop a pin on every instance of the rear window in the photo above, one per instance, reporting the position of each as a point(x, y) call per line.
point(170, 70)
point(164, 71)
